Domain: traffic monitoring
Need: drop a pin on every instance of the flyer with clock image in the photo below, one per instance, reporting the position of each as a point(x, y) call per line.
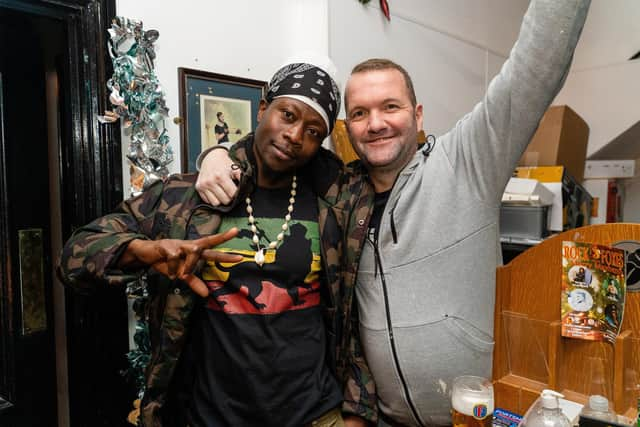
point(593, 291)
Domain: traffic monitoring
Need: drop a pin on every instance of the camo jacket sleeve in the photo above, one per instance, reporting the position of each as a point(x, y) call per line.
point(89, 257)
point(360, 391)
point(360, 396)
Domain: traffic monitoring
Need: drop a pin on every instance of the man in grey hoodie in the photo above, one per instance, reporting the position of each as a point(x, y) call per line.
point(424, 230)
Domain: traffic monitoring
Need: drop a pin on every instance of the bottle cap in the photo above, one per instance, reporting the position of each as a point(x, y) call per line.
point(599, 403)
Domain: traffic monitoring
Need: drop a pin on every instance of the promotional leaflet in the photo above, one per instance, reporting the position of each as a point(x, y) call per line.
point(593, 291)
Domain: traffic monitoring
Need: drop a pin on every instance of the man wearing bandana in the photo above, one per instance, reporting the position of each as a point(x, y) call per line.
point(422, 239)
point(256, 332)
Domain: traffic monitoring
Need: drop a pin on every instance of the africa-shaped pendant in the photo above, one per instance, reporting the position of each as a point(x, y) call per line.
point(259, 257)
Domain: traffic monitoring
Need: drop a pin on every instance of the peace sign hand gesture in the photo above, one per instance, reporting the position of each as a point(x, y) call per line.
point(178, 259)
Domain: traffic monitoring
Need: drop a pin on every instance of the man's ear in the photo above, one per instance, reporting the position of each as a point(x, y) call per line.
point(262, 108)
point(419, 116)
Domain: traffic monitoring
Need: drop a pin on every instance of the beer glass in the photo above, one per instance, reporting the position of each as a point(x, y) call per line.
point(471, 402)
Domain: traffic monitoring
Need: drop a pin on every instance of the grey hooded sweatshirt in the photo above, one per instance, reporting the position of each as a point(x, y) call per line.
point(426, 315)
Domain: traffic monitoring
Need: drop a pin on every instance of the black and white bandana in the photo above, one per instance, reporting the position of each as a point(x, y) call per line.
point(309, 84)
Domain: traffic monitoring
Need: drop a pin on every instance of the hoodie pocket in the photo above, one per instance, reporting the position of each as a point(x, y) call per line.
point(469, 334)
point(431, 354)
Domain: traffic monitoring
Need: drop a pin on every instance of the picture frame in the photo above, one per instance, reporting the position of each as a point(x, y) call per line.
point(203, 97)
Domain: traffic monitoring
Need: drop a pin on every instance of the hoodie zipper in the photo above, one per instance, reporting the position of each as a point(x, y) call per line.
point(394, 352)
point(425, 151)
point(378, 265)
point(394, 233)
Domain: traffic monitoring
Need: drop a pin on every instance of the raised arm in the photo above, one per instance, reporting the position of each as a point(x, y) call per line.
point(487, 143)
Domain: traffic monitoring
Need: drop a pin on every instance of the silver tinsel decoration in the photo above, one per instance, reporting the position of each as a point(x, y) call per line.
point(138, 98)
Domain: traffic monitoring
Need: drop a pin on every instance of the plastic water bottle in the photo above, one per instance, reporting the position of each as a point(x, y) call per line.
point(548, 412)
point(598, 408)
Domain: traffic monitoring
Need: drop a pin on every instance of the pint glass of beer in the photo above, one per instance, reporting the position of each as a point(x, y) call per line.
point(471, 402)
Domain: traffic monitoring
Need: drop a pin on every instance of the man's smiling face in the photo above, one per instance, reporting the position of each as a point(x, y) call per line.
point(382, 121)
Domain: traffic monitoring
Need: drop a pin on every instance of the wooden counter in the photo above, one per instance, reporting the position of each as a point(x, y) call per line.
point(530, 353)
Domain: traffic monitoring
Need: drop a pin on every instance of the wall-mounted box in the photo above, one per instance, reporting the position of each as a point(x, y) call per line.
point(609, 169)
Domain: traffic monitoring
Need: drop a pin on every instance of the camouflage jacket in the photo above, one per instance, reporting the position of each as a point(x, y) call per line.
point(173, 209)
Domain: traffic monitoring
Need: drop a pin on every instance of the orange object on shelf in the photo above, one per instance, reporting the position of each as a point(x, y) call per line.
point(341, 143)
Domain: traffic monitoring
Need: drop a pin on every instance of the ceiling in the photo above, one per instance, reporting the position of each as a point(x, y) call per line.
point(611, 34)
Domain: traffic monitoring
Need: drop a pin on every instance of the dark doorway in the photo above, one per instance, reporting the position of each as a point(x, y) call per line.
point(60, 353)
point(27, 229)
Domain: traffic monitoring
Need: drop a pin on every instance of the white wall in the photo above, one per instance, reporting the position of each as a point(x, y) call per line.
point(461, 44)
point(611, 34)
point(450, 48)
point(598, 188)
point(631, 203)
point(603, 86)
point(244, 38)
point(453, 48)
point(607, 98)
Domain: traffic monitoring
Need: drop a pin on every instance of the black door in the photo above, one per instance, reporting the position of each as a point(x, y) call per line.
point(30, 377)
point(60, 353)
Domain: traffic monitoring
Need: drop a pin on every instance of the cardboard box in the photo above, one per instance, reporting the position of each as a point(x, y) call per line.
point(561, 140)
point(571, 206)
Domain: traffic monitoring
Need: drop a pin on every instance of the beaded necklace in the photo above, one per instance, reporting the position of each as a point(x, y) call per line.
point(260, 251)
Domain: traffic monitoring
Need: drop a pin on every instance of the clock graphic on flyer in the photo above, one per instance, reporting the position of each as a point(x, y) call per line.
point(580, 300)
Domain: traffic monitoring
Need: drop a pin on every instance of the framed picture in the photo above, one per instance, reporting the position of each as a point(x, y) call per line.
point(214, 108)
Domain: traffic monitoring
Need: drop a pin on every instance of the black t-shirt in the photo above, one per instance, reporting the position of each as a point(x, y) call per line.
point(379, 202)
point(260, 339)
point(222, 129)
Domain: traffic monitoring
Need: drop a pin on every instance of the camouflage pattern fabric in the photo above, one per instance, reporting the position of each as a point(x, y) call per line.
point(173, 209)
point(359, 392)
